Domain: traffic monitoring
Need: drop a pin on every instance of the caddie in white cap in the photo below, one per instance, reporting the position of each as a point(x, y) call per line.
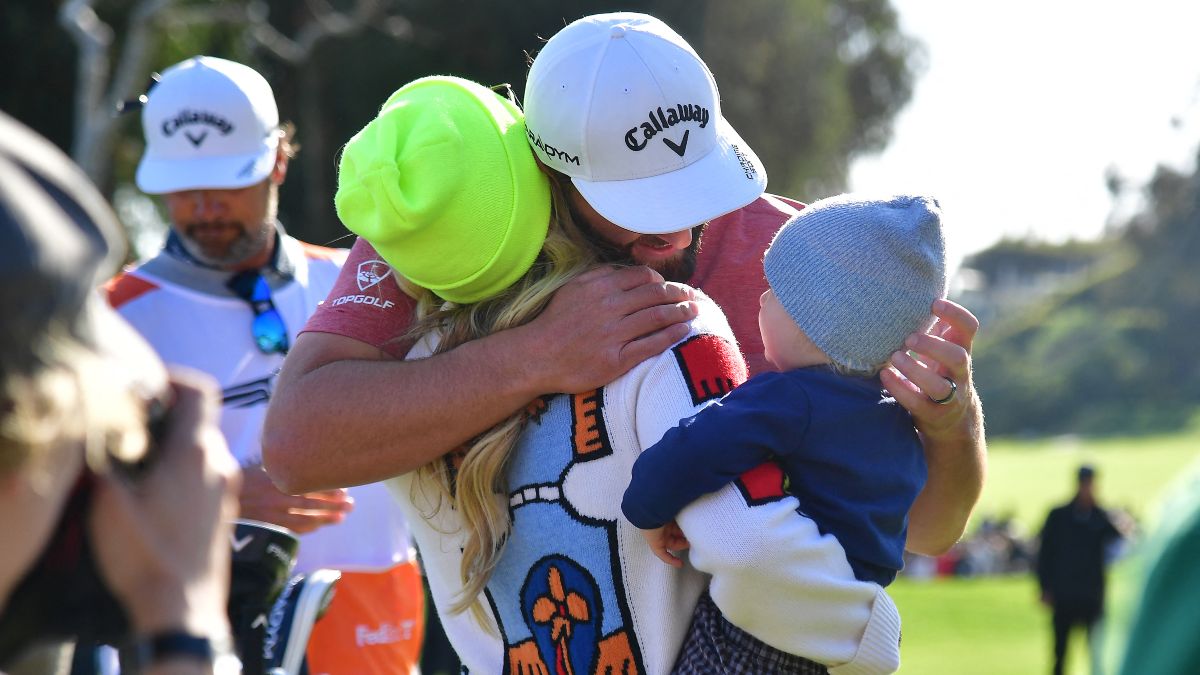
point(216, 152)
point(227, 295)
point(209, 123)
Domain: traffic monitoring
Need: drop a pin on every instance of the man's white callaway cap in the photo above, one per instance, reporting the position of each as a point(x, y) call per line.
point(625, 107)
point(209, 124)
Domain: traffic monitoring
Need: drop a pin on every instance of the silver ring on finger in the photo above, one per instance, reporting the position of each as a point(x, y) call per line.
point(948, 397)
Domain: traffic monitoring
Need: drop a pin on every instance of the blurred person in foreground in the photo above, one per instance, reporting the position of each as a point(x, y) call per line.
point(1071, 563)
point(116, 490)
point(226, 295)
point(1161, 637)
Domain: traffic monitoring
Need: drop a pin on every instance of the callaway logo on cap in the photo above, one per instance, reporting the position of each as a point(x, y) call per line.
point(625, 107)
point(209, 123)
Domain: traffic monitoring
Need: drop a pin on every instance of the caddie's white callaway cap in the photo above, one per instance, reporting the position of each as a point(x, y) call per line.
point(625, 107)
point(209, 124)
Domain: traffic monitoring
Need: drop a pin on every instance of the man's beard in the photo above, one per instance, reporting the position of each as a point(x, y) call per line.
point(679, 268)
point(247, 244)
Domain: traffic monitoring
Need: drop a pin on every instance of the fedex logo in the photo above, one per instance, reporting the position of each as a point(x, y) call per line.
point(385, 634)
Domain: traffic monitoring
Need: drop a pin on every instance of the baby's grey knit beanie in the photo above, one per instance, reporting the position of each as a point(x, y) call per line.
point(857, 274)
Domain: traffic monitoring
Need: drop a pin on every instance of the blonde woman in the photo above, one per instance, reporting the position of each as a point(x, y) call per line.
point(531, 565)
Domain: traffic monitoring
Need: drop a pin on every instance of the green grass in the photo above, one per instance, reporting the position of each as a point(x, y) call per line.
point(982, 626)
point(979, 626)
point(995, 625)
point(1026, 478)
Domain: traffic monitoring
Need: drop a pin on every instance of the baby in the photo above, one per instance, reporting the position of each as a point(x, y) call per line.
point(849, 278)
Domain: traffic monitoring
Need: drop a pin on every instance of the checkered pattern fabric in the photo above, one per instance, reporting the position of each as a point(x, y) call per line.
point(716, 647)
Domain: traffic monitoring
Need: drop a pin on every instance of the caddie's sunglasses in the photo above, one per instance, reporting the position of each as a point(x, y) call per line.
point(268, 329)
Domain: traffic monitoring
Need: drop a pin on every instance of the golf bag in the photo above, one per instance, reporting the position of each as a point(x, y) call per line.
point(272, 611)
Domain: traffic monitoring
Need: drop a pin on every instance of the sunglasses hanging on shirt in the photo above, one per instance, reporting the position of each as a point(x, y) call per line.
point(268, 329)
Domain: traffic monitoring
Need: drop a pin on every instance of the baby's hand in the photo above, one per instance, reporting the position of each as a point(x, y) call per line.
point(663, 540)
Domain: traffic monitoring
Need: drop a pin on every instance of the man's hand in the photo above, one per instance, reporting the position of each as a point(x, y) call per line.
point(605, 322)
point(261, 500)
point(663, 540)
point(942, 353)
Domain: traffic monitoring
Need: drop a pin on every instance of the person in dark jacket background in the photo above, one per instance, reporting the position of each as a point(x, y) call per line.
point(1071, 563)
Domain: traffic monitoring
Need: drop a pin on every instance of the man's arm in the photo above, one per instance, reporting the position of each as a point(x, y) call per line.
point(345, 413)
point(952, 434)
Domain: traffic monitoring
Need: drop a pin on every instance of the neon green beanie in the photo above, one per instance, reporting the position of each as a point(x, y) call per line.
point(445, 187)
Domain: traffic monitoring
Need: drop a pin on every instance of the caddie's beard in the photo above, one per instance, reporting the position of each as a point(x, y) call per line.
point(248, 242)
point(679, 268)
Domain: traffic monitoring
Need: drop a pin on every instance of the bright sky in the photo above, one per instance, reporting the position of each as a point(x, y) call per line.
point(1026, 103)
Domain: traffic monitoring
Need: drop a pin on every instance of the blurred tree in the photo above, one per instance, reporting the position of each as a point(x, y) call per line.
point(1118, 353)
point(808, 83)
point(38, 77)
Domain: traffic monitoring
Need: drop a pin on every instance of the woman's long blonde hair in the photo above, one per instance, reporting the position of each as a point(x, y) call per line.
point(477, 488)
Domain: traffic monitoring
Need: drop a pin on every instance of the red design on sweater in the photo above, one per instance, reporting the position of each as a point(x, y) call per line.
point(711, 365)
point(763, 483)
